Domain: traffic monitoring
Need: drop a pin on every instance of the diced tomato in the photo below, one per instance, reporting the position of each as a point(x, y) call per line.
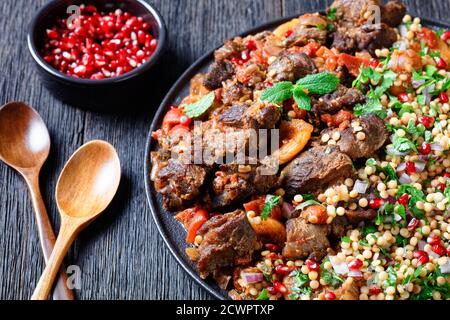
point(430, 37)
point(257, 205)
point(179, 130)
point(171, 119)
point(352, 63)
point(310, 49)
point(192, 219)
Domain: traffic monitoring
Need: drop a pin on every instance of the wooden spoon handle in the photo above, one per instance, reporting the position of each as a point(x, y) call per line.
point(66, 236)
point(47, 236)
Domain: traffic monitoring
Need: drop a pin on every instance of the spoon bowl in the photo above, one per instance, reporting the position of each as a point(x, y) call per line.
point(89, 180)
point(24, 138)
point(85, 188)
point(25, 146)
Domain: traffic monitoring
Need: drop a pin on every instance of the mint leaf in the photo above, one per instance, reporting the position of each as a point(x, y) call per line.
point(278, 93)
point(319, 83)
point(264, 295)
point(198, 108)
point(271, 202)
point(302, 99)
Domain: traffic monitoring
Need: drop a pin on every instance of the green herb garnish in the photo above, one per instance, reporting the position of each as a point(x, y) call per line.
point(198, 108)
point(271, 202)
point(264, 295)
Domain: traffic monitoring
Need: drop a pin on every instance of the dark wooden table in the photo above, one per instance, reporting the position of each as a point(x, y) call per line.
point(121, 255)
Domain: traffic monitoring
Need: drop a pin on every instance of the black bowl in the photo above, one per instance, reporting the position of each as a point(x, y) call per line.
point(104, 94)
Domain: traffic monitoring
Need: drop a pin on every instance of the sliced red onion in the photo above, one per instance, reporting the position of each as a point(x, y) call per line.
point(287, 209)
point(252, 277)
point(390, 113)
point(339, 268)
point(405, 179)
point(417, 83)
point(361, 186)
point(446, 267)
point(397, 217)
point(403, 30)
point(427, 93)
point(426, 157)
point(420, 166)
point(355, 274)
point(401, 167)
point(421, 244)
point(401, 45)
point(436, 146)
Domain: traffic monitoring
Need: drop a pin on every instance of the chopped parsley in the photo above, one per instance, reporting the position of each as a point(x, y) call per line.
point(332, 14)
point(264, 295)
point(346, 239)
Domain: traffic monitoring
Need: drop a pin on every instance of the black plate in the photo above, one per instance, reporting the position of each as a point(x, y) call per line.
point(171, 231)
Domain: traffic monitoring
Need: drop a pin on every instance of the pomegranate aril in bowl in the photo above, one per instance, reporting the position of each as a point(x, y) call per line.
point(101, 54)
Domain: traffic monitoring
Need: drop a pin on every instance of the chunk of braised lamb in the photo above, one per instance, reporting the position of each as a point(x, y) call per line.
point(314, 169)
point(228, 240)
point(179, 183)
point(230, 49)
point(291, 66)
point(333, 102)
point(376, 36)
point(344, 40)
point(360, 215)
point(233, 91)
point(218, 72)
point(305, 240)
point(233, 115)
point(311, 27)
point(392, 13)
point(261, 116)
point(375, 133)
point(235, 183)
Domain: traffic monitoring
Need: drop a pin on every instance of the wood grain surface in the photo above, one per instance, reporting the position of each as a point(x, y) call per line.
point(121, 256)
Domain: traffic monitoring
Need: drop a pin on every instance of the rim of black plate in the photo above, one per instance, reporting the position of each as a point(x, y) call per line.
point(151, 144)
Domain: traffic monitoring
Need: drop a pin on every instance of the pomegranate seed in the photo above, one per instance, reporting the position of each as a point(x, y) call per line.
point(403, 97)
point(251, 45)
point(185, 121)
point(438, 249)
point(425, 148)
point(119, 41)
point(272, 247)
point(421, 256)
point(441, 64)
point(245, 55)
point(355, 264)
point(433, 240)
point(53, 34)
point(279, 287)
point(313, 265)
point(375, 203)
point(410, 167)
point(413, 224)
point(403, 199)
point(445, 36)
point(330, 296)
point(448, 250)
point(426, 121)
point(268, 84)
point(374, 290)
point(272, 290)
point(282, 270)
point(446, 175)
point(443, 97)
point(374, 63)
point(237, 61)
point(288, 33)
point(442, 187)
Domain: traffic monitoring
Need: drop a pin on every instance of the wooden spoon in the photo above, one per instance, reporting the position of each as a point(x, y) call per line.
point(24, 146)
point(85, 188)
